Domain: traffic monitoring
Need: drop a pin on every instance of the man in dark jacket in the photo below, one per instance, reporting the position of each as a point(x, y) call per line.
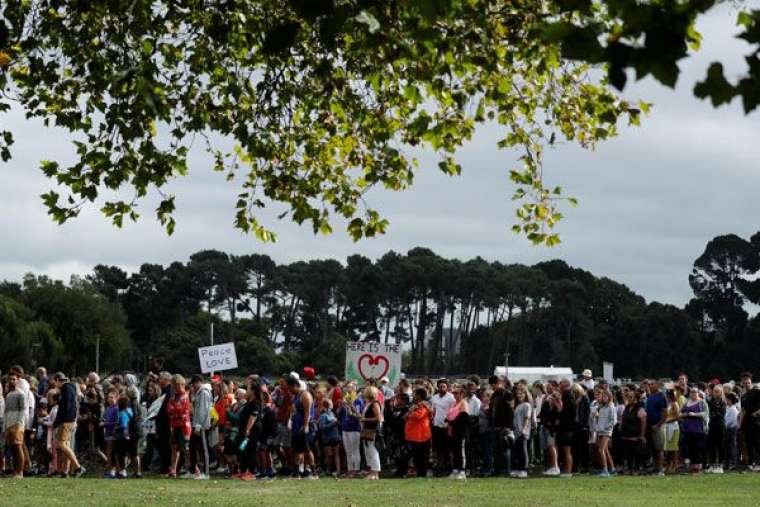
point(65, 424)
point(501, 415)
point(163, 432)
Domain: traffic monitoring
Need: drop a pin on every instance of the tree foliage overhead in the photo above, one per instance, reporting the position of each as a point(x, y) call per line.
point(323, 99)
point(650, 38)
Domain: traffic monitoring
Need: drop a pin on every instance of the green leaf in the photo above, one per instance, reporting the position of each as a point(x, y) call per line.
point(715, 86)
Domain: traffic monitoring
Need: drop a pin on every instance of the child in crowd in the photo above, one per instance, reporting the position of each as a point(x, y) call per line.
point(122, 437)
point(330, 433)
point(110, 420)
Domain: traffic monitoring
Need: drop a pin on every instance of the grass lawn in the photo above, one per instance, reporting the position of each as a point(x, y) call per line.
point(734, 490)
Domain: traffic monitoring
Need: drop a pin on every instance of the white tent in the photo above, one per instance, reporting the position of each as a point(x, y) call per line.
point(533, 373)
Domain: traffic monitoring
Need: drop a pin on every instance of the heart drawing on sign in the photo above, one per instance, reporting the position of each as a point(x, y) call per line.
point(370, 367)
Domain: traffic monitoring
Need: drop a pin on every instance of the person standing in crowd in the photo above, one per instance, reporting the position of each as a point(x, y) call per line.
point(385, 387)
point(604, 419)
point(418, 433)
point(371, 420)
point(549, 417)
point(329, 429)
point(587, 380)
point(110, 429)
point(582, 438)
point(135, 429)
point(441, 403)
point(750, 422)
point(122, 437)
point(732, 426)
point(502, 417)
point(283, 406)
point(304, 414)
point(42, 381)
point(201, 420)
point(178, 411)
point(164, 433)
point(485, 435)
point(473, 431)
point(716, 430)
point(656, 405)
point(522, 427)
point(350, 413)
point(565, 427)
point(14, 420)
point(694, 418)
point(457, 422)
point(65, 425)
point(25, 388)
point(633, 430)
point(672, 430)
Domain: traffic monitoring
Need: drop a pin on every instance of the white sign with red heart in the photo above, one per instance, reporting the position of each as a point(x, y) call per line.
point(373, 360)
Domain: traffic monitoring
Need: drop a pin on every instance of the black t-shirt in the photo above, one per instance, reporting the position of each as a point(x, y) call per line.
point(751, 404)
point(248, 410)
point(567, 414)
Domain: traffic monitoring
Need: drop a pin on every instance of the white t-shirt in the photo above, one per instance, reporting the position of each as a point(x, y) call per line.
point(24, 386)
point(732, 417)
point(473, 405)
point(441, 406)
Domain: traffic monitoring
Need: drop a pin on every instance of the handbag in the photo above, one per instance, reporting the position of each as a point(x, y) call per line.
point(368, 434)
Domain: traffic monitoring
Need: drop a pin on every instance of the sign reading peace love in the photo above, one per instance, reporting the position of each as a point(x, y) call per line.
point(366, 360)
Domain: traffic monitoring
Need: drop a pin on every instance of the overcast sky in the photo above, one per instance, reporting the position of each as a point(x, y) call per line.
point(649, 200)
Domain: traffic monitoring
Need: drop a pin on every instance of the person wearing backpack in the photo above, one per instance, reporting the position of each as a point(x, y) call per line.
point(125, 421)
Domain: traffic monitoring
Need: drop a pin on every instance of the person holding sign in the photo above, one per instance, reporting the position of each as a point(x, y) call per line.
point(304, 414)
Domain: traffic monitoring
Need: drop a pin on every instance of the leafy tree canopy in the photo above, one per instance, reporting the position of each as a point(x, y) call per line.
point(323, 99)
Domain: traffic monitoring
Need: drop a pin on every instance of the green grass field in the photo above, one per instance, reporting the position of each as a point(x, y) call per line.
point(733, 490)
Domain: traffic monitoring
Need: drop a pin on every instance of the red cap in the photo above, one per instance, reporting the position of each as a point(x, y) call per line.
point(715, 381)
point(216, 379)
point(309, 372)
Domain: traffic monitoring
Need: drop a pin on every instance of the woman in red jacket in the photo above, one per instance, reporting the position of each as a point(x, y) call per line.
point(417, 431)
point(178, 409)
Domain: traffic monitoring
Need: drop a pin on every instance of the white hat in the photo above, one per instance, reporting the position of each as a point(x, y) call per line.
point(295, 375)
point(586, 373)
point(385, 380)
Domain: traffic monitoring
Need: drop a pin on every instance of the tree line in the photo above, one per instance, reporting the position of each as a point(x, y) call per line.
point(452, 316)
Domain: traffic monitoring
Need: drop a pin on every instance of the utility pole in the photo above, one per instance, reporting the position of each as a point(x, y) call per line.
point(97, 354)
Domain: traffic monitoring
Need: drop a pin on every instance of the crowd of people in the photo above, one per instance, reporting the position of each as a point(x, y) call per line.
point(258, 428)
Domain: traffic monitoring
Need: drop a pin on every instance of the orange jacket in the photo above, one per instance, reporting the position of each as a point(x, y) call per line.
point(417, 427)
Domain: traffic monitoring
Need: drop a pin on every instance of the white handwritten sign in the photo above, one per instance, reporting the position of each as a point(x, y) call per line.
point(218, 357)
point(365, 360)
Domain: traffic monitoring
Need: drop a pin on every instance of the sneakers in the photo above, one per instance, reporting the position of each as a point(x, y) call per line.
point(187, 474)
point(552, 472)
point(122, 475)
point(604, 473)
point(520, 474)
point(79, 472)
point(248, 476)
point(200, 477)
